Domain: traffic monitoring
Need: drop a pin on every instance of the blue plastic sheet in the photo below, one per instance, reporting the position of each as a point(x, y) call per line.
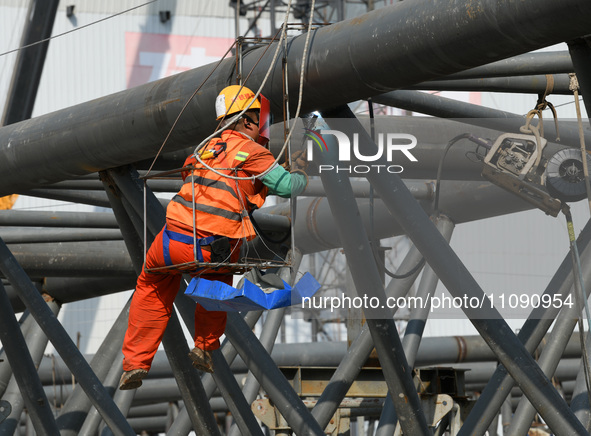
point(214, 295)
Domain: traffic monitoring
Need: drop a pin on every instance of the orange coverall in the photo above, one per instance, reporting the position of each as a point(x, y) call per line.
point(152, 302)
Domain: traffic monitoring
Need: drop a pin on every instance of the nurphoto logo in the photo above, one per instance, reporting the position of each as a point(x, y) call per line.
point(390, 144)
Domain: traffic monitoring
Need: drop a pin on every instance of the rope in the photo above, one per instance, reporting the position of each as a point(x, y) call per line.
point(580, 295)
point(76, 29)
point(185, 106)
point(300, 98)
point(574, 87)
point(541, 105)
point(203, 83)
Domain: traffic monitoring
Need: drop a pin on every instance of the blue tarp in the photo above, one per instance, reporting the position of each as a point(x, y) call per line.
point(214, 295)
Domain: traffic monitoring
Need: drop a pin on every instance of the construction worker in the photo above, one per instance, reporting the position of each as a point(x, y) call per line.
point(221, 223)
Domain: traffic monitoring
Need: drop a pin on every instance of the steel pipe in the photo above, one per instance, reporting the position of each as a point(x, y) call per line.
point(580, 51)
point(22, 218)
point(271, 379)
point(531, 334)
point(444, 350)
point(461, 201)
point(550, 357)
point(476, 115)
point(111, 382)
point(70, 259)
point(547, 62)
point(25, 235)
point(88, 137)
point(75, 410)
point(421, 189)
point(366, 278)
point(579, 403)
point(270, 329)
point(239, 406)
point(413, 332)
point(24, 370)
point(182, 424)
point(62, 342)
point(521, 85)
point(458, 280)
point(25, 322)
point(29, 63)
point(355, 357)
point(91, 198)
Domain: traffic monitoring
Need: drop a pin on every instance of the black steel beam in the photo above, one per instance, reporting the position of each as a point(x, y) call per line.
point(62, 343)
point(71, 259)
point(522, 85)
point(459, 282)
point(30, 60)
point(24, 372)
point(57, 219)
point(549, 62)
point(348, 61)
point(580, 51)
point(472, 114)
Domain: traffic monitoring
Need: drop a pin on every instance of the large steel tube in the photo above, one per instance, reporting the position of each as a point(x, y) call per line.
point(368, 55)
point(70, 259)
point(23, 235)
point(523, 85)
point(549, 62)
point(443, 107)
point(25, 218)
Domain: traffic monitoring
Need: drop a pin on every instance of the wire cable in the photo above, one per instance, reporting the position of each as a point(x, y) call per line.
point(300, 98)
point(373, 243)
point(440, 168)
point(185, 106)
point(77, 28)
point(580, 294)
point(574, 87)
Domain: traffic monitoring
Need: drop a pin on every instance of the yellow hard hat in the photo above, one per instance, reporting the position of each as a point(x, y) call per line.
point(233, 99)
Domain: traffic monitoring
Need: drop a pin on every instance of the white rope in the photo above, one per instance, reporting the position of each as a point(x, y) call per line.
point(300, 98)
point(574, 87)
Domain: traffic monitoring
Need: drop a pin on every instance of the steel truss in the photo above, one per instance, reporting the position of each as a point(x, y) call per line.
point(348, 62)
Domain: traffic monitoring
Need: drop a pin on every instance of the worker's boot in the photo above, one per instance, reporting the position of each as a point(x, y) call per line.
point(132, 379)
point(201, 359)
